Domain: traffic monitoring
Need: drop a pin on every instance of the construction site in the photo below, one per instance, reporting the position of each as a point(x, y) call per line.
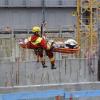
point(77, 74)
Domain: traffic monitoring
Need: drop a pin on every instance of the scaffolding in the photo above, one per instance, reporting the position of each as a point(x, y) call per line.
point(87, 25)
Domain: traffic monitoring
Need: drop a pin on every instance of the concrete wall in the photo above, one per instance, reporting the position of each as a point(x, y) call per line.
point(23, 14)
point(25, 18)
point(32, 73)
point(19, 67)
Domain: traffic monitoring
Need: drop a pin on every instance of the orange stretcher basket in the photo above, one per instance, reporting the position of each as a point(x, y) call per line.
point(60, 50)
point(67, 50)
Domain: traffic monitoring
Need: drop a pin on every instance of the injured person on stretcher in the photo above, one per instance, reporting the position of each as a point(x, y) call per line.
point(70, 43)
point(69, 46)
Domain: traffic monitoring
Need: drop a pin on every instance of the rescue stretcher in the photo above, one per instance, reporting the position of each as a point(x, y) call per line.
point(66, 50)
point(60, 50)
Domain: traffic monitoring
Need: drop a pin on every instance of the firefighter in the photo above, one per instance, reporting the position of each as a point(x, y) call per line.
point(39, 44)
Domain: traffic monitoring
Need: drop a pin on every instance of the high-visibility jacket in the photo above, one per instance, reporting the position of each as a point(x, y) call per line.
point(36, 41)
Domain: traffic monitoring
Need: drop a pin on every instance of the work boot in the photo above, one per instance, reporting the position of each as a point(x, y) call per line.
point(44, 66)
point(53, 66)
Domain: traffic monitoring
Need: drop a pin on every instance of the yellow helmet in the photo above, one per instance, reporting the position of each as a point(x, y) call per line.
point(36, 29)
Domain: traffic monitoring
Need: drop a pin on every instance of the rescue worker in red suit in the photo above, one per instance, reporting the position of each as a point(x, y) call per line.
point(39, 44)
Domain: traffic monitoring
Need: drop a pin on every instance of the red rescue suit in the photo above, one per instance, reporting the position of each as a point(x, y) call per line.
point(39, 44)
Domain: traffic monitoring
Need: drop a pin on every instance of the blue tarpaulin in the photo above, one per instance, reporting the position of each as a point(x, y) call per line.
point(33, 95)
point(48, 95)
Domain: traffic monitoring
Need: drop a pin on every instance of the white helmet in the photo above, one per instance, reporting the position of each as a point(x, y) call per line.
point(71, 42)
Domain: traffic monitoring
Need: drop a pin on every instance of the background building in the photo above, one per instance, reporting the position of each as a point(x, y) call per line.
point(23, 14)
point(63, 19)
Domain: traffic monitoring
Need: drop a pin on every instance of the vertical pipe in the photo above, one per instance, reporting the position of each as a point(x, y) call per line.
point(65, 65)
point(43, 16)
point(91, 23)
point(78, 21)
point(99, 47)
point(99, 58)
point(78, 35)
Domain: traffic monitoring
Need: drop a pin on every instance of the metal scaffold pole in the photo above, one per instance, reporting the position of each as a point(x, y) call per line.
point(91, 23)
point(99, 55)
point(43, 17)
point(86, 22)
point(99, 44)
point(78, 22)
point(87, 29)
